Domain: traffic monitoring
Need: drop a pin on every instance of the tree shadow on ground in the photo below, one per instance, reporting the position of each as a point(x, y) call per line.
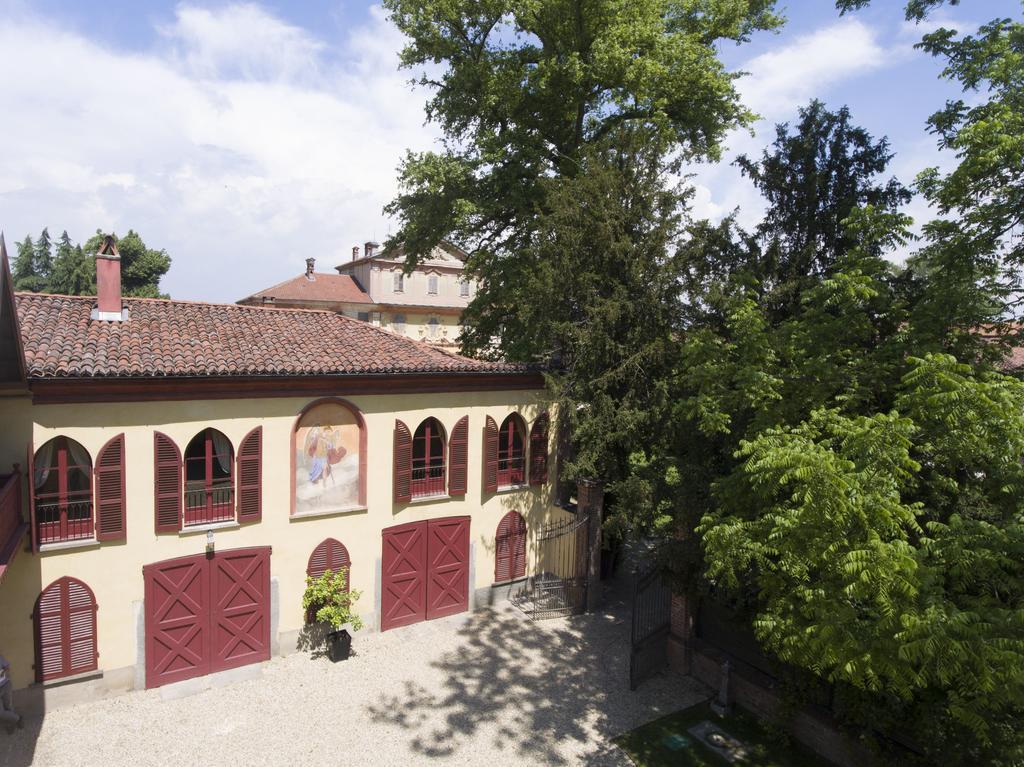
point(547, 682)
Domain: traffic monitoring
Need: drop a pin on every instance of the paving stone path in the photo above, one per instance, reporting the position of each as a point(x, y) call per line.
point(492, 688)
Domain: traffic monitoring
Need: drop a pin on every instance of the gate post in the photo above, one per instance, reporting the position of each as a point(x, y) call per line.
point(590, 497)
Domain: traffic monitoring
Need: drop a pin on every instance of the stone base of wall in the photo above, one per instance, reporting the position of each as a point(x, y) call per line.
point(755, 692)
point(37, 699)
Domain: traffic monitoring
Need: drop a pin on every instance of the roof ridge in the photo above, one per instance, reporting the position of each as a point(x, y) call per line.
point(183, 301)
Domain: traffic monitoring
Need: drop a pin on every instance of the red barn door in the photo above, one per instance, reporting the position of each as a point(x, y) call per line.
point(448, 566)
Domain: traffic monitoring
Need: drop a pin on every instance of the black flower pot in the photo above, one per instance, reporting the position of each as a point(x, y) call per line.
point(339, 643)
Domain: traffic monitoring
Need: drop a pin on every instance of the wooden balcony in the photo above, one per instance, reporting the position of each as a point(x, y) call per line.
point(12, 526)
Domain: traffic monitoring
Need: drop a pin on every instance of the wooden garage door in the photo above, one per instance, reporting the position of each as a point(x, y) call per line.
point(425, 569)
point(206, 613)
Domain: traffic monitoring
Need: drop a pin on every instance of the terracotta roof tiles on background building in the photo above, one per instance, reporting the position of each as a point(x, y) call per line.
point(324, 287)
point(167, 338)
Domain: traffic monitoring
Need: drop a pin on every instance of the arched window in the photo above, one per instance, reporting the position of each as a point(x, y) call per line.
point(209, 481)
point(329, 555)
point(428, 459)
point(65, 629)
point(511, 456)
point(510, 548)
point(62, 491)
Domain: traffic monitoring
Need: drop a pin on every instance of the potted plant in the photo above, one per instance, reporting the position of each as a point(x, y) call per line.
point(329, 601)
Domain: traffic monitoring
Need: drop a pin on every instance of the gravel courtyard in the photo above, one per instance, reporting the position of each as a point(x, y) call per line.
point(491, 688)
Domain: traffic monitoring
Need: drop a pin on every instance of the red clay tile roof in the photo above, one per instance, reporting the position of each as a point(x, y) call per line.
point(181, 338)
point(326, 287)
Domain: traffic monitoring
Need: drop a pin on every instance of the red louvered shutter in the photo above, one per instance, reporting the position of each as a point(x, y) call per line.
point(32, 498)
point(510, 548)
point(50, 634)
point(539, 450)
point(490, 455)
point(329, 555)
point(82, 628)
point(458, 457)
point(250, 474)
point(167, 484)
point(65, 622)
point(111, 524)
point(403, 463)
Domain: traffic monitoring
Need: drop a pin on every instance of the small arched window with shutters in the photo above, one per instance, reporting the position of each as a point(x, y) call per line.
point(329, 555)
point(65, 630)
point(510, 548)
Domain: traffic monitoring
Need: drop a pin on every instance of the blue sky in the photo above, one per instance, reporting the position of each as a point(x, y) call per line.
point(244, 137)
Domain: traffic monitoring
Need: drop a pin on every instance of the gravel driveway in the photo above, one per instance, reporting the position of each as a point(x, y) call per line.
point(492, 688)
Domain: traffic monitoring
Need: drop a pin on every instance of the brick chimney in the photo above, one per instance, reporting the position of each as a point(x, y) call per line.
point(108, 280)
point(370, 248)
point(310, 263)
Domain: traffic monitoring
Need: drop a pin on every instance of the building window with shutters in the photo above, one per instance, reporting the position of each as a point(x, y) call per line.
point(432, 284)
point(428, 460)
point(209, 479)
point(464, 288)
point(331, 555)
point(399, 282)
point(65, 630)
point(398, 324)
point(62, 505)
point(424, 461)
point(510, 548)
point(511, 453)
point(209, 484)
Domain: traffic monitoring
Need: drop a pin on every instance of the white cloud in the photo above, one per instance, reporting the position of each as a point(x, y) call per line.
point(240, 143)
point(780, 80)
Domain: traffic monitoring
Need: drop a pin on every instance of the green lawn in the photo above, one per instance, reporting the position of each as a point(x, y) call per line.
point(665, 742)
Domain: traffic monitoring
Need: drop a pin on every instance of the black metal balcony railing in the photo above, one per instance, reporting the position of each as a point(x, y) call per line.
point(207, 505)
point(427, 479)
point(62, 520)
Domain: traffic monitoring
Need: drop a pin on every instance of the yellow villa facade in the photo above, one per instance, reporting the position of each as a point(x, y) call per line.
point(182, 467)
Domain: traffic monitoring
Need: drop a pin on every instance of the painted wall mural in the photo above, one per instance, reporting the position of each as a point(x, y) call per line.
point(326, 459)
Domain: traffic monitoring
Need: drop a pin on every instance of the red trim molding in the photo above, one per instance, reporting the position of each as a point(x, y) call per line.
point(72, 390)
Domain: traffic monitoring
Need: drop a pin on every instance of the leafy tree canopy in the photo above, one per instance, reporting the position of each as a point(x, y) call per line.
point(71, 270)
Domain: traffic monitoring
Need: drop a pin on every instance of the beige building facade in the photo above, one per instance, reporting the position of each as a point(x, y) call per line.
point(179, 470)
point(425, 305)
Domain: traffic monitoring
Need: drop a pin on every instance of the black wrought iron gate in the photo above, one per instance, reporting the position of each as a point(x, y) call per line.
point(560, 586)
point(652, 611)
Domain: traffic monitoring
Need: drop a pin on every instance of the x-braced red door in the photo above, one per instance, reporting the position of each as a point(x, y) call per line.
point(425, 571)
point(447, 566)
point(206, 613)
point(403, 566)
point(241, 601)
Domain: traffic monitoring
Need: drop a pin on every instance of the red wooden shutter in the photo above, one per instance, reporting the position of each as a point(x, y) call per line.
point(403, 463)
point(250, 474)
point(458, 457)
point(329, 555)
point(111, 524)
point(510, 548)
point(32, 498)
point(49, 620)
point(81, 628)
point(539, 450)
point(490, 455)
point(65, 623)
point(167, 483)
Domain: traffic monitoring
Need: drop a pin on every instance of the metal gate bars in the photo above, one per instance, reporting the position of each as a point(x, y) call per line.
point(652, 606)
point(560, 586)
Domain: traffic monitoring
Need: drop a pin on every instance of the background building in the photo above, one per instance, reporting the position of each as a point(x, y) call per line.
point(425, 305)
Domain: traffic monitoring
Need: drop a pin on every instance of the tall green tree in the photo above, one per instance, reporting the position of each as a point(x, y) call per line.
point(72, 270)
point(542, 105)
